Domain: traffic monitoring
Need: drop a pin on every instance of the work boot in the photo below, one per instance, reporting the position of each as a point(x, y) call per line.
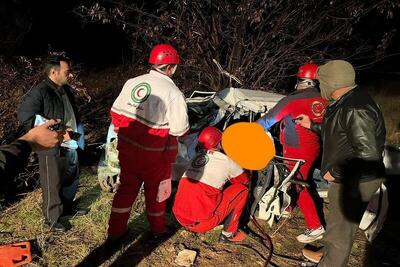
point(74, 212)
point(313, 256)
point(162, 235)
point(311, 235)
point(238, 236)
point(114, 243)
point(56, 227)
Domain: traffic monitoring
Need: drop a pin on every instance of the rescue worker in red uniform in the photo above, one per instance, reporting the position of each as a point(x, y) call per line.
point(149, 115)
point(203, 201)
point(301, 143)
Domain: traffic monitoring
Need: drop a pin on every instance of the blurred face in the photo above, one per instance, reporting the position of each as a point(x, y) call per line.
point(60, 75)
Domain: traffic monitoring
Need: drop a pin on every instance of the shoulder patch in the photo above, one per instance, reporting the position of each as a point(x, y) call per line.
point(317, 108)
point(141, 92)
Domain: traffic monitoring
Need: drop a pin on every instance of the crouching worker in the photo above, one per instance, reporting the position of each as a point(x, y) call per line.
point(202, 200)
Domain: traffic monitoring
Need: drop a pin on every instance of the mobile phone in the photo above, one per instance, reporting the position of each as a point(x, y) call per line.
point(39, 120)
point(57, 127)
point(74, 135)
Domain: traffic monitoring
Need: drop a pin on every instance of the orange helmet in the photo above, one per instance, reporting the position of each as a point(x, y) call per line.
point(210, 137)
point(308, 71)
point(163, 54)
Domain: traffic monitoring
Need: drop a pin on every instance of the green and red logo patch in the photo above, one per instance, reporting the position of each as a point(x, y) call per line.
point(141, 92)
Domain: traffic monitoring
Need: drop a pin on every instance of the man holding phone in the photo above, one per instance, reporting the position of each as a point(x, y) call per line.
point(59, 166)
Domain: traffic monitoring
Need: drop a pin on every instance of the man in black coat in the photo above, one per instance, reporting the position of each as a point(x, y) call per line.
point(59, 166)
point(353, 135)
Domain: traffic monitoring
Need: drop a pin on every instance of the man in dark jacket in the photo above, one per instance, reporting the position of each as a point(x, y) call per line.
point(58, 167)
point(353, 134)
point(14, 156)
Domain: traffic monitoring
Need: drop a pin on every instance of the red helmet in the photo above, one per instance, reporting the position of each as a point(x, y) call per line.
point(163, 54)
point(308, 71)
point(210, 137)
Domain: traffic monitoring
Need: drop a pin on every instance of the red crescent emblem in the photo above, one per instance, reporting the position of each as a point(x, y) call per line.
point(317, 108)
point(138, 92)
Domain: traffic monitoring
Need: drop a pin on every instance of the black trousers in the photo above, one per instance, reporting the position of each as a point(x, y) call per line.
point(59, 178)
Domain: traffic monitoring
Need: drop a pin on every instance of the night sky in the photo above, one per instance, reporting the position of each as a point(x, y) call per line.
point(100, 45)
point(96, 45)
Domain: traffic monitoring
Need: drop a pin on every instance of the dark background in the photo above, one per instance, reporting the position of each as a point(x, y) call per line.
point(31, 28)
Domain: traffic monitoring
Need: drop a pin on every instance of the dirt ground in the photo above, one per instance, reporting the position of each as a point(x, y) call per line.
point(83, 244)
point(250, 253)
point(140, 250)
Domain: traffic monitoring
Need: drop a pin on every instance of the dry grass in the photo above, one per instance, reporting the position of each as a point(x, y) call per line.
point(24, 221)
